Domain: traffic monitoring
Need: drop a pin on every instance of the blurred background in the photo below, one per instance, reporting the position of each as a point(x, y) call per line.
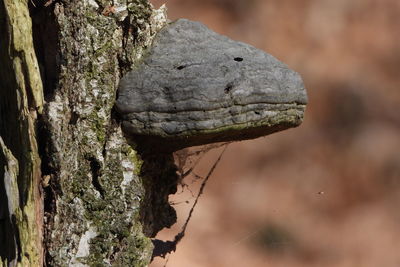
point(326, 193)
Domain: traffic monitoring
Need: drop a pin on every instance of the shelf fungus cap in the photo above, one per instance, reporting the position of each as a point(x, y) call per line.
point(195, 87)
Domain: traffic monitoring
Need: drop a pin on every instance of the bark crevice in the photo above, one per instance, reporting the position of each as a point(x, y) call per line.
point(45, 33)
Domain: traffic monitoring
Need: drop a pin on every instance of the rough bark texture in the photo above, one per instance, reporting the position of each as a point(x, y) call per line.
point(21, 100)
point(89, 175)
point(94, 186)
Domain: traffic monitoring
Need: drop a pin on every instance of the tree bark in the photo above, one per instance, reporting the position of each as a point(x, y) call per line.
point(70, 184)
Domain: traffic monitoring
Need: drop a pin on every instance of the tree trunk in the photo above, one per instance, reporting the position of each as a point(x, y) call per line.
point(70, 189)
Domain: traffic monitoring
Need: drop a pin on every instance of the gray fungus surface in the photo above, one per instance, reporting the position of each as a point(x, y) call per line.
point(194, 86)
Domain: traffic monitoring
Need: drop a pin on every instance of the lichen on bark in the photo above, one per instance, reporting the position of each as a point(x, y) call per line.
point(95, 192)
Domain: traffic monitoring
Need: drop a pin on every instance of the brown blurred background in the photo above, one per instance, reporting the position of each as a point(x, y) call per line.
point(326, 193)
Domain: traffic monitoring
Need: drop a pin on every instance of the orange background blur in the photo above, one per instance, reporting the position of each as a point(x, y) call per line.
point(326, 193)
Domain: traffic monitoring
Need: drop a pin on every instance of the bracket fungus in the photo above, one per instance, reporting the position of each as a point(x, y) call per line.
point(194, 87)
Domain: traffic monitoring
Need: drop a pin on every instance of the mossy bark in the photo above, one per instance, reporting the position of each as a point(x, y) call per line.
point(64, 159)
point(21, 101)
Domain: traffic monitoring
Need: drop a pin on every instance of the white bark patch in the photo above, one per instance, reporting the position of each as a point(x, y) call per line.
point(10, 178)
point(159, 17)
point(127, 174)
point(93, 4)
point(121, 12)
point(83, 247)
point(11, 192)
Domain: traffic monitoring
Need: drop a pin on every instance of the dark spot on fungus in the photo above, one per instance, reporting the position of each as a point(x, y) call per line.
point(238, 59)
point(181, 67)
point(228, 88)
